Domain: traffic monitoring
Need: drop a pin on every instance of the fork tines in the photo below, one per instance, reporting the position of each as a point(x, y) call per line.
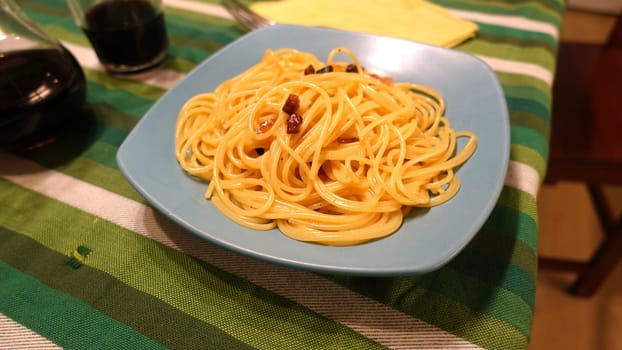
point(245, 15)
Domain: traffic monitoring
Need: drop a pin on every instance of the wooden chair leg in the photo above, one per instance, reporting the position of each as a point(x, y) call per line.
point(603, 262)
point(592, 273)
point(563, 265)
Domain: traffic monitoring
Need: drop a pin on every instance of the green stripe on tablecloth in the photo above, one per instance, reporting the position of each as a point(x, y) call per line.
point(198, 17)
point(521, 201)
point(501, 39)
point(219, 31)
point(247, 312)
point(524, 154)
point(176, 62)
point(61, 152)
point(550, 5)
point(122, 100)
point(525, 81)
point(531, 10)
point(43, 15)
point(195, 41)
point(192, 55)
point(208, 28)
point(490, 270)
point(112, 126)
point(459, 319)
point(515, 225)
point(104, 293)
point(526, 93)
point(134, 87)
point(61, 33)
point(111, 116)
point(103, 153)
point(53, 7)
point(531, 121)
point(504, 247)
point(491, 32)
point(61, 318)
point(56, 156)
point(528, 101)
point(521, 117)
point(99, 143)
point(483, 298)
point(534, 55)
point(528, 105)
point(527, 136)
point(108, 134)
point(556, 5)
point(468, 322)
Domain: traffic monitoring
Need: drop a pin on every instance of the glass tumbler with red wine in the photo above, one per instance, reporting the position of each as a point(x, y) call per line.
point(128, 36)
point(42, 86)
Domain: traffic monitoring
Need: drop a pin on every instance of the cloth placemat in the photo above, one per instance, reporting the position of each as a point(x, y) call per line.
point(85, 262)
point(416, 20)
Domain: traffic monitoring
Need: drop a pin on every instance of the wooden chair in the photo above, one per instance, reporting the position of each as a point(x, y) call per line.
point(586, 145)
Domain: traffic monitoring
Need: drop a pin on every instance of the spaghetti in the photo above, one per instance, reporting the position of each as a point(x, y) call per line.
point(326, 152)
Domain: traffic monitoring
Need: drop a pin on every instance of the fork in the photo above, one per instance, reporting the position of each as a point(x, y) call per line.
point(245, 16)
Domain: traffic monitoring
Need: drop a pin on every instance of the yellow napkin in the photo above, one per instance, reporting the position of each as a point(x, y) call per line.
point(416, 20)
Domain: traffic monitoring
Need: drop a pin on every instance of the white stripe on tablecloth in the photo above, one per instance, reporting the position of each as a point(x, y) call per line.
point(368, 317)
point(517, 67)
point(523, 177)
point(15, 336)
point(194, 6)
point(516, 22)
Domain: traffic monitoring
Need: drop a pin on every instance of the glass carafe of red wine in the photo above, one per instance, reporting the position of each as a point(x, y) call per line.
point(42, 86)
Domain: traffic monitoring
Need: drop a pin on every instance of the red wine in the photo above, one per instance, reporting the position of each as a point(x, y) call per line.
point(40, 90)
point(127, 33)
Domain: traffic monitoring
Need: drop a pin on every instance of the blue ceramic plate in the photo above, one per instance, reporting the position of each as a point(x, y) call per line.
point(426, 240)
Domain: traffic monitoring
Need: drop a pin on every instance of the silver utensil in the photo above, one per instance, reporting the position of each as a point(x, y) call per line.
point(244, 15)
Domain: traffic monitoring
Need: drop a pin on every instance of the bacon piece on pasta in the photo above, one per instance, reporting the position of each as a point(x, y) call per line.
point(265, 126)
point(291, 104)
point(309, 70)
point(293, 123)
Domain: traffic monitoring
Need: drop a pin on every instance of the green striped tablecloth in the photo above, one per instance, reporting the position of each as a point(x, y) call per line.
point(146, 283)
